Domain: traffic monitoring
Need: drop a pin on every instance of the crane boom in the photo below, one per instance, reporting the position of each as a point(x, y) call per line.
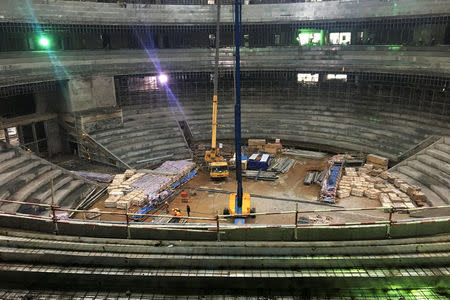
point(213, 155)
point(218, 166)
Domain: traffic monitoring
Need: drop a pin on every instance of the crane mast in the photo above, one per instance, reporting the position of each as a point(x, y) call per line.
point(218, 166)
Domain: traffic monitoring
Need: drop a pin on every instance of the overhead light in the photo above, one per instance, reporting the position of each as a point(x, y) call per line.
point(163, 78)
point(44, 42)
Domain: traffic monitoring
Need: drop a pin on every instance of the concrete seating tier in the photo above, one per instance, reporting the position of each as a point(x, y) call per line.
point(31, 259)
point(429, 169)
point(150, 135)
point(352, 124)
point(26, 177)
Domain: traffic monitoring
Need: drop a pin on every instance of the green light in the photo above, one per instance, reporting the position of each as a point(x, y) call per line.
point(44, 42)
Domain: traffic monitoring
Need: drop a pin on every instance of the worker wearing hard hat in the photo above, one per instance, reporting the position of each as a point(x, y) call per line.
point(176, 212)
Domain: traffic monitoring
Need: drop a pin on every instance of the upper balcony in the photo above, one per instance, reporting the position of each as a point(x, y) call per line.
point(35, 66)
point(80, 12)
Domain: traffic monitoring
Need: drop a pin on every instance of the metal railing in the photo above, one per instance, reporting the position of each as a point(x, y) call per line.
point(125, 3)
point(218, 218)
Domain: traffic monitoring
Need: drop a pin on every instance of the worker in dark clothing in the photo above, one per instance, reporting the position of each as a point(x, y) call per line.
point(188, 210)
point(166, 204)
point(106, 41)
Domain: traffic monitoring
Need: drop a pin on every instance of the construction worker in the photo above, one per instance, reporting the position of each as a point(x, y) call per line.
point(176, 212)
point(188, 210)
point(166, 204)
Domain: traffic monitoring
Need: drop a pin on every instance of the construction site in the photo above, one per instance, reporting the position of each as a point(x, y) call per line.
point(230, 148)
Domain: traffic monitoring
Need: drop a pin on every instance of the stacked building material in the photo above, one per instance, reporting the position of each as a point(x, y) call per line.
point(152, 184)
point(273, 148)
point(378, 162)
point(377, 184)
point(331, 180)
point(99, 177)
point(117, 181)
point(179, 167)
point(305, 154)
point(256, 145)
point(136, 189)
point(260, 175)
point(281, 165)
point(314, 176)
point(111, 201)
point(135, 197)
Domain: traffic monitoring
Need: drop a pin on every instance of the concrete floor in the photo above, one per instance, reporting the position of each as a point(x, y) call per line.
point(289, 186)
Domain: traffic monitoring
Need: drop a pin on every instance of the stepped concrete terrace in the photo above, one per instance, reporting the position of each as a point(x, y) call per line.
point(353, 124)
point(429, 169)
point(150, 135)
point(26, 177)
point(24, 67)
point(114, 264)
point(75, 12)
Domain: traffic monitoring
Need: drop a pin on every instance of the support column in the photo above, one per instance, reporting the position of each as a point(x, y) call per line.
point(85, 93)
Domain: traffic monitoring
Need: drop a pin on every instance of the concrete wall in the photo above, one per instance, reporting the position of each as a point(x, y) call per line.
point(101, 13)
point(87, 93)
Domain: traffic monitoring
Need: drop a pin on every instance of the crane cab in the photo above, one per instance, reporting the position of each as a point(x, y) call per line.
point(219, 170)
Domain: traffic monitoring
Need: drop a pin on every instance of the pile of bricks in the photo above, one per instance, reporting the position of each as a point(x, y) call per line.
point(379, 185)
